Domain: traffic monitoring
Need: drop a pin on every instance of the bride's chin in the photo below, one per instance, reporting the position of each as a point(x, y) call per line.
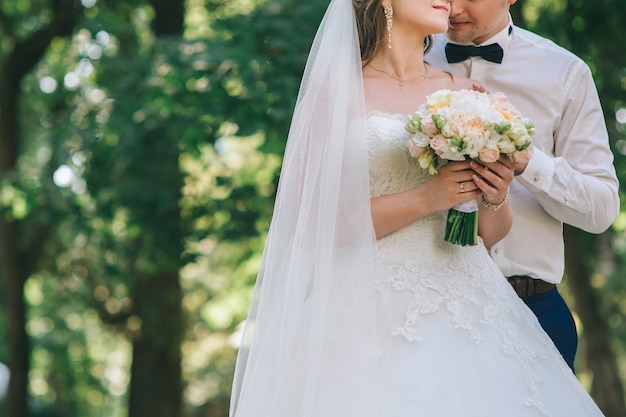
point(438, 27)
point(441, 29)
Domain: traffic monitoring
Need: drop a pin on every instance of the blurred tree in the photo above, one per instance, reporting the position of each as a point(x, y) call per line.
point(22, 234)
point(583, 258)
point(155, 385)
point(152, 257)
point(133, 181)
point(517, 13)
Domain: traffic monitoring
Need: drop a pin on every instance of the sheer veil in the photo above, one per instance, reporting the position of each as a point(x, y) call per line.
point(310, 336)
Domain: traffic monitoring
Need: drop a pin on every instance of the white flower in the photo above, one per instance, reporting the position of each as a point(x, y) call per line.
point(517, 131)
point(505, 145)
point(420, 139)
point(473, 145)
point(440, 98)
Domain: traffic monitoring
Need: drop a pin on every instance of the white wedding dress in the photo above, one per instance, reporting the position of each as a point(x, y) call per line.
point(454, 338)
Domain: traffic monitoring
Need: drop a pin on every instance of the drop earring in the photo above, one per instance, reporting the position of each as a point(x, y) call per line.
point(389, 18)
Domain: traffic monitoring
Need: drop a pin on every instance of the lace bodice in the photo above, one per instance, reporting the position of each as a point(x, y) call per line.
point(416, 260)
point(392, 169)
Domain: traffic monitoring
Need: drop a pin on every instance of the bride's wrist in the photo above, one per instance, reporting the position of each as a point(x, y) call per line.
point(494, 206)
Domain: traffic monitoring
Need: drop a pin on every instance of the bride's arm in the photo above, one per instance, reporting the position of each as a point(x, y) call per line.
point(442, 191)
point(494, 221)
point(392, 212)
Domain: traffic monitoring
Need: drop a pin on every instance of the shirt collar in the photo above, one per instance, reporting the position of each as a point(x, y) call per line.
point(503, 37)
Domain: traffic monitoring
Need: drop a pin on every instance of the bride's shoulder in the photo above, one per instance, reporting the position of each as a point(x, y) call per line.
point(450, 81)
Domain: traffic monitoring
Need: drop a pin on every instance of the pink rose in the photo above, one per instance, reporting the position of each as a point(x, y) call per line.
point(522, 157)
point(501, 102)
point(440, 144)
point(429, 127)
point(489, 155)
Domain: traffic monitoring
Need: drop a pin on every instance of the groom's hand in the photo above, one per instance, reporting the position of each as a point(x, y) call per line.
point(493, 178)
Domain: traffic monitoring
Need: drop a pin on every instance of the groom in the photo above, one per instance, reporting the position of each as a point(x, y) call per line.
point(570, 176)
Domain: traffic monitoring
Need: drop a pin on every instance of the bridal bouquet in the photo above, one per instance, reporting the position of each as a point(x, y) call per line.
point(457, 125)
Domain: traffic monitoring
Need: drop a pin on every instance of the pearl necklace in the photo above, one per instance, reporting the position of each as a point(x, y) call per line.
point(402, 83)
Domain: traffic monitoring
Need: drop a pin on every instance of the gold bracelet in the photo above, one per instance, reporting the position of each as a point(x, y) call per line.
point(494, 207)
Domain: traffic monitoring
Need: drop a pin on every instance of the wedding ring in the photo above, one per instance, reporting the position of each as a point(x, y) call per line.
point(461, 186)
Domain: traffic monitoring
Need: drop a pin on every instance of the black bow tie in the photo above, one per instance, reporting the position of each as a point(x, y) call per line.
point(457, 53)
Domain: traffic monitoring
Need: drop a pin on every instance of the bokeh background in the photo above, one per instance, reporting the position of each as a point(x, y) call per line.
point(140, 146)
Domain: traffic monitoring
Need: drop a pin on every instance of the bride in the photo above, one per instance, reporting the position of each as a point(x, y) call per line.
point(361, 309)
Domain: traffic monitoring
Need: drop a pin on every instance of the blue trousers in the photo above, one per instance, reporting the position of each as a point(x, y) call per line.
point(556, 319)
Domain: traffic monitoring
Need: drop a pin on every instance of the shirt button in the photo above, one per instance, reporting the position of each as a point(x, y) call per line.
point(536, 179)
point(566, 198)
point(497, 251)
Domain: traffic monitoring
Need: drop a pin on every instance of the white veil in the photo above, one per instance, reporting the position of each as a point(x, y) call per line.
point(311, 331)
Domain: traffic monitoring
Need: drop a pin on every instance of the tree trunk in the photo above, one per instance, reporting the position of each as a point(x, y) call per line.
point(156, 376)
point(17, 338)
point(155, 386)
point(169, 17)
point(607, 389)
point(12, 280)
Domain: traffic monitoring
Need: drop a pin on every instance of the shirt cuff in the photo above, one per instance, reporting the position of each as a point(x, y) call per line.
point(539, 172)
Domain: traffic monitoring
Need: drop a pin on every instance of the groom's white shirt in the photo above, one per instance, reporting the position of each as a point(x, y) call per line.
point(570, 178)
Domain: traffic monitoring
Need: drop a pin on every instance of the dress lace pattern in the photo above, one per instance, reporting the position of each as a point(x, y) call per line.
point(420, 277)
point(416, 259)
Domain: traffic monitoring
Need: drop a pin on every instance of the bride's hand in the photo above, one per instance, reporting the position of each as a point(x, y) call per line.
point(452, 185)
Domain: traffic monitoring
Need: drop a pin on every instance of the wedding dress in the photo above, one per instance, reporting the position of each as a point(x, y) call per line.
point(454, 338)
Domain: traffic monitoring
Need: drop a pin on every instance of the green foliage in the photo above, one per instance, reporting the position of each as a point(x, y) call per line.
point(26, 16)
point(138, 148)
point(258, 80)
